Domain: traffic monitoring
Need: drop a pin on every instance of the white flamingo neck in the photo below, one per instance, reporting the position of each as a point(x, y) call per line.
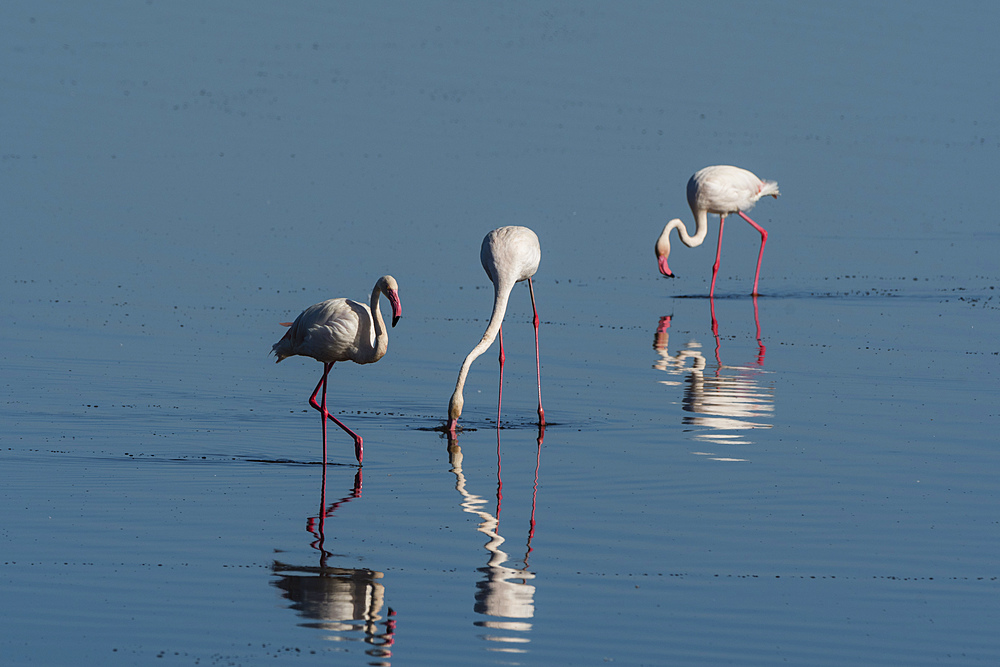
point(381, 333)
point(700, 232)
point(501, 297)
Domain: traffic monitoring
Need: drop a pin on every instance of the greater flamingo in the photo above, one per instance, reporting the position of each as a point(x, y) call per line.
point(722, 190)
point(341, 330)
point(509, 255)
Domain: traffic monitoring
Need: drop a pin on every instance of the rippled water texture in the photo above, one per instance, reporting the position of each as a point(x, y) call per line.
point(807, 477)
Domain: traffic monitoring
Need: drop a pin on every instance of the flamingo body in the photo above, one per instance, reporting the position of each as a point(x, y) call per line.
point(509, 255)
point(722, 190)
point(331, 331)
point(341, 330)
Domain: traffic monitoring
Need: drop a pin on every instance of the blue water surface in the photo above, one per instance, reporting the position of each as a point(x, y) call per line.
point(807, 477)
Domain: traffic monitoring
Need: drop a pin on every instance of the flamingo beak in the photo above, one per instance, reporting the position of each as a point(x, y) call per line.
point(664, 269)
point(397, 310)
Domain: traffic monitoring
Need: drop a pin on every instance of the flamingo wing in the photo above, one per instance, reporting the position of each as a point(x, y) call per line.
point(723, 189)
point(330, 331)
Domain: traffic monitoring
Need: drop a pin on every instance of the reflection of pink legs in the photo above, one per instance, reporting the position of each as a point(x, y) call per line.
point(316, 524)
point(761, 349)
point(760, 255)
point(715, 332)
point(760, 343)
point(534, 493)
point(499, 481)
point(359, 450)
point(538, 363)
point(500, 392)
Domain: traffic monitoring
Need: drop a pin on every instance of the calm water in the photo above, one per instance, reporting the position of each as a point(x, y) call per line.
point(808, 477)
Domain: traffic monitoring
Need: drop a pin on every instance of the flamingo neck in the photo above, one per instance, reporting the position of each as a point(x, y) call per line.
point(381, 334)
point(700, 229)
point(500, 298)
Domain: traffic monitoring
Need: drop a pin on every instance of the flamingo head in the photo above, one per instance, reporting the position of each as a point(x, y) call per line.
point(663, 248)
point(397, 310)
point(664, 269)
point(663, 251)
point(389, 287)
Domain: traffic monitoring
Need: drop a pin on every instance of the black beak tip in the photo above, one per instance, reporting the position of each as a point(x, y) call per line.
point(394, 320)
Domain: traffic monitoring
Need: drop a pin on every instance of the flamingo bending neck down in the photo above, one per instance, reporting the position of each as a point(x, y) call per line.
point(722, 190)
point(341, 330)
point(509, 255)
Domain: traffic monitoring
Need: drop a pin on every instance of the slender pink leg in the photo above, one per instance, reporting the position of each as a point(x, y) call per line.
point(760, 255)
point(359, 450)
point(500, 392)
point(538, 363)
point(324, 413)
point(322, 408)
point(718, 256)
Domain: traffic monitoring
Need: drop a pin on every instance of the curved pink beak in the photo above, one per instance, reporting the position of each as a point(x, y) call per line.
point(664, 269)
point(397, 310)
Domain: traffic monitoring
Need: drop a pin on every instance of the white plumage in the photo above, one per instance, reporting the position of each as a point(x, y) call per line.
point(341, 330)
point(334, 330)
point(722, 190)
point(509, 255)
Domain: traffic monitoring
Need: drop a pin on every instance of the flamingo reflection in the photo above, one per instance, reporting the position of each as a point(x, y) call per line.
point(504, 593)
point(724, 402)
point(346, 602)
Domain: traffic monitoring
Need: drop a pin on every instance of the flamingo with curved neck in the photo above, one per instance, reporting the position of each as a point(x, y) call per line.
point(722, 190)
point(509, 255)
point(341, 330)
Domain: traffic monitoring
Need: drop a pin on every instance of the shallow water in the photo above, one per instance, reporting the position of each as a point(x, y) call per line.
point(805, 477)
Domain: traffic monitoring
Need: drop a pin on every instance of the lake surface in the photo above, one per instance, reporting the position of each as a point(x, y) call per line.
point(807, 477)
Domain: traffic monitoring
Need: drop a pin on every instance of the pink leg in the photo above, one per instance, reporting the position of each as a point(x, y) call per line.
point(718, 256)
point(760, 255)
point(538, 363)
point(500, 392)
point(322, 409)
point(359, 450)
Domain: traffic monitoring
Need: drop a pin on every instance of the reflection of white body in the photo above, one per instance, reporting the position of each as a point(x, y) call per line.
point(509, 255)
point(505, 592)
point(343, 600)
point(730, 399)
point(721, 190)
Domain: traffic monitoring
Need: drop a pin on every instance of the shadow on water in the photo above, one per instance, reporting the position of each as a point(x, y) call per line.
point(504, 593)
point(723, 401)
point(346, 602)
